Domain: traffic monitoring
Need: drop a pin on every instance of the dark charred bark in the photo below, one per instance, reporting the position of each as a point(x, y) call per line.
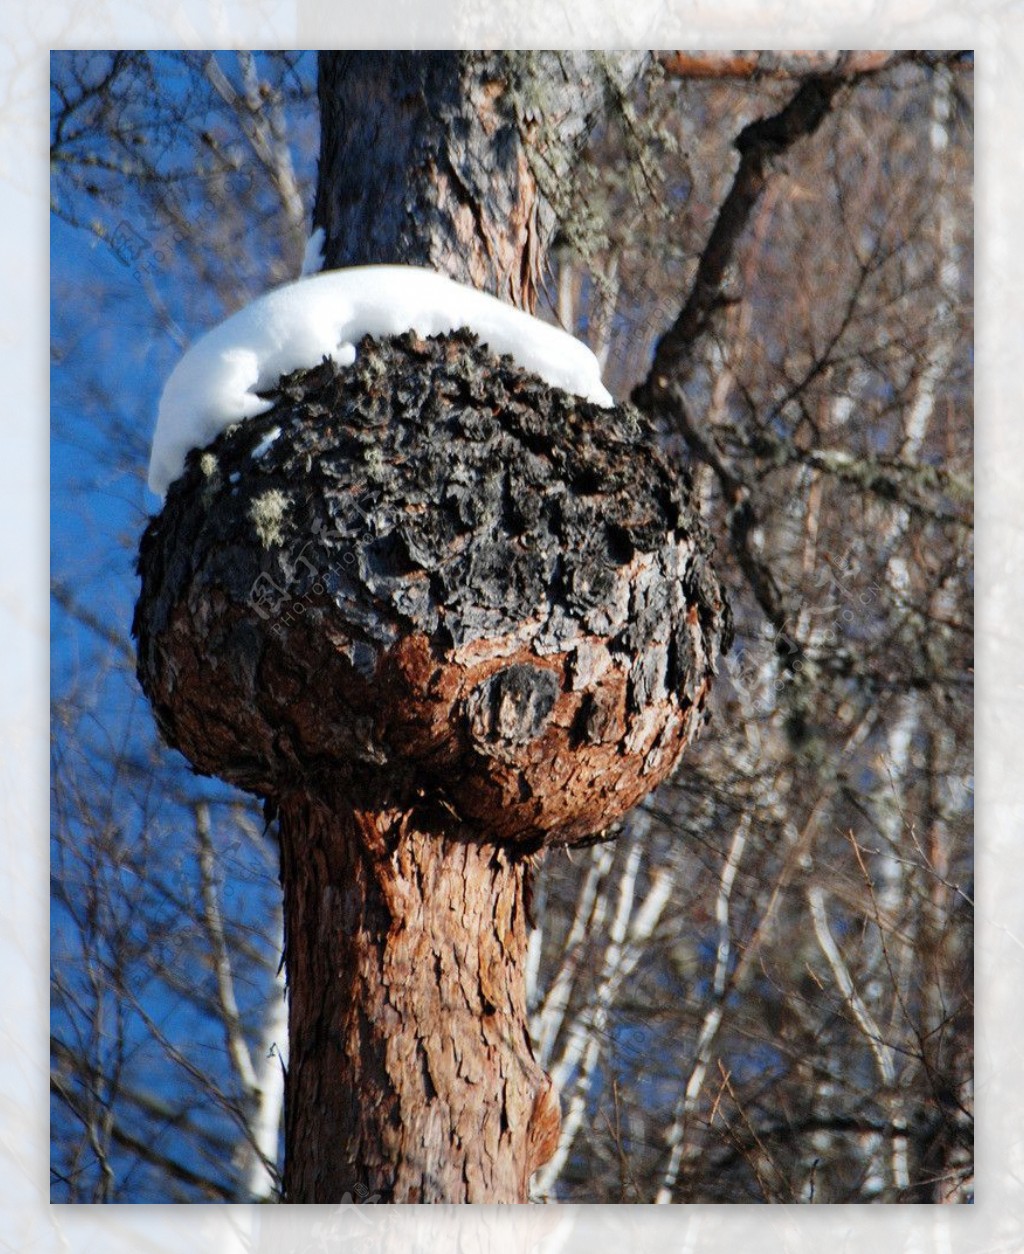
point(441, 577)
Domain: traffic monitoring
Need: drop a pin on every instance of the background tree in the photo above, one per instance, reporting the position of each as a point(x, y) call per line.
point(766, 993)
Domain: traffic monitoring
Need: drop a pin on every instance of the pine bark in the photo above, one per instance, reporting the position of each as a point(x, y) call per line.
point(411, 1076)
point(451, 159)
point(448, 617)
point(445, 617)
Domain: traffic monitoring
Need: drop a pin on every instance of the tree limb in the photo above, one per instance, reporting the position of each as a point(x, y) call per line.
point(739, 64)
point(147, 1152)
point(759, 145)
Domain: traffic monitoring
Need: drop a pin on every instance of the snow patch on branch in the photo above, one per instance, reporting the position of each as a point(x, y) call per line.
point(220, 379)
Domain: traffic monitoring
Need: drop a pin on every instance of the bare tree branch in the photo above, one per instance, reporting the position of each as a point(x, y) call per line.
point(789, 65)
point(760, 144)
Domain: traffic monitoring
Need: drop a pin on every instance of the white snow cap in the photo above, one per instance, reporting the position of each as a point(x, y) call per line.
point(294, 327)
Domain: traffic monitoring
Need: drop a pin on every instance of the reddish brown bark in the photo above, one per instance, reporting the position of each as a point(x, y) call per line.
point(411, 1077)
point(752, 64)
point(737, 63)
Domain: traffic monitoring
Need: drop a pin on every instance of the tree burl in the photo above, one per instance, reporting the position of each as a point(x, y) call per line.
point(439, 616)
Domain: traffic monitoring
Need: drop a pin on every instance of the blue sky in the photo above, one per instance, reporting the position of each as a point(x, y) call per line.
point(123, 302)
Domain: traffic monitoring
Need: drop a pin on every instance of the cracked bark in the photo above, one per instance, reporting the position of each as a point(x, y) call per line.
point(449, 159)
point(446, 617)
point(411, 1074)
point(484, 621)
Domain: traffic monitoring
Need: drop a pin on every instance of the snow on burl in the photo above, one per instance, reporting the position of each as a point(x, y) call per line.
point(219, 380)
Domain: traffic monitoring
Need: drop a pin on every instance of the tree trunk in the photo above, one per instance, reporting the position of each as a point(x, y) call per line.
point(411, 1076)
point(454, 160)
point(447, 615)
point(425, 159)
